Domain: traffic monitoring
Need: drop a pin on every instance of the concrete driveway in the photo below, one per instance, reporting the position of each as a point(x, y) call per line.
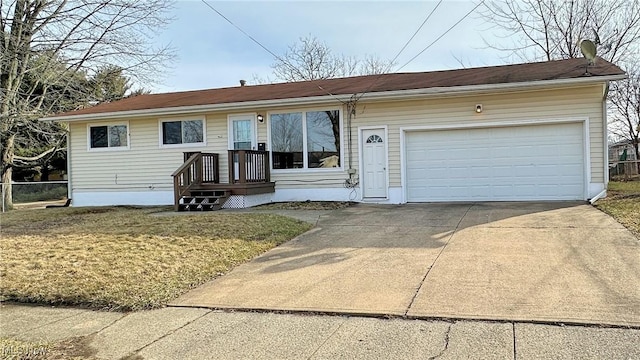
point(548, 262)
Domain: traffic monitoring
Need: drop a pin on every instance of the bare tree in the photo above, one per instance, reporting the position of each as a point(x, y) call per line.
point(373, 64)
point(550, 29)
point(47, 44)
point(311, 59)
point(625, 112)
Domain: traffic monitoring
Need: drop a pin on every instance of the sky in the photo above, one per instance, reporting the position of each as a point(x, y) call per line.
point(212, 53)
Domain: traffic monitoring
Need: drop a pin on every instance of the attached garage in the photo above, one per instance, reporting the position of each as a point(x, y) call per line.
point(509, 163)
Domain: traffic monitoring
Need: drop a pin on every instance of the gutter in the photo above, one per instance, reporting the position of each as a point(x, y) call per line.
point(331, 99)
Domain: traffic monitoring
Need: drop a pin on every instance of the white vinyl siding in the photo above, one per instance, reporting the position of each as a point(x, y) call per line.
point(577, 102)
point(145, 166)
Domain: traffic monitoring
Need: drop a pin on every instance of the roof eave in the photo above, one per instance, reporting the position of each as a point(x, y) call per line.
point(326, 99)
point(488, 88)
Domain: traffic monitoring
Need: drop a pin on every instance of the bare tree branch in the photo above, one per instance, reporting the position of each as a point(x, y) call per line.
point(550, 29)
point(50, 48)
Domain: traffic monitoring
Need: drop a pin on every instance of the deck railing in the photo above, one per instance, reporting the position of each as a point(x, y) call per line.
point(248, 166)
point(198, 168)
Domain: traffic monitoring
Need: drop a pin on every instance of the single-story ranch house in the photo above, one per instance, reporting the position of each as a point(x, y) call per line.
point(523, 132)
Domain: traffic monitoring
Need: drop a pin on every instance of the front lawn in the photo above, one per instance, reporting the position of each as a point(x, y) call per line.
point(623, 203)
point(122, 258)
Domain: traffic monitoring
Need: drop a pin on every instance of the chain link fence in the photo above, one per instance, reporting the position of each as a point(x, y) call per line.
point(28, 192)
point(624, 170)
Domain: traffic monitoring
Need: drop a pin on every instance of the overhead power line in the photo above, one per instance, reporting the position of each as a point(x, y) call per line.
point(427, 47)
point(414, 35)
point(262, 46)
point(240, 29)
point(443, 34)
point(386, 70)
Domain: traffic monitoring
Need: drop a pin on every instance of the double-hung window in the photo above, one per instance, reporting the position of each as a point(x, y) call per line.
point(177, 132)
point(114, 136)
point(305, 140)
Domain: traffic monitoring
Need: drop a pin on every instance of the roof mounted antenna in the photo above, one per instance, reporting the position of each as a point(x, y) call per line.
point(243, 82)
point(589, 51)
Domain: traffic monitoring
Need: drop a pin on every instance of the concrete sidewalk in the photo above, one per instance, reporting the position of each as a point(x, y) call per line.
point(183, 333)
point(549, 262)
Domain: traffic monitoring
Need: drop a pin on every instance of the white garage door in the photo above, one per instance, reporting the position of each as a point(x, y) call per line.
point(542, 162)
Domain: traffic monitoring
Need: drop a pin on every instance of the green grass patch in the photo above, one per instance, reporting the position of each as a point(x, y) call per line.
point(630, 187)
point(123, 258)
point(623, 204)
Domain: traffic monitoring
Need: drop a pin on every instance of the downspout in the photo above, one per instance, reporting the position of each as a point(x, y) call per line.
point(69, 187)
point(605, 131)
point(602, 194)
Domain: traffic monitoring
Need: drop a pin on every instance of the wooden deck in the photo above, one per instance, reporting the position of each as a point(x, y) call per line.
point(249, 174)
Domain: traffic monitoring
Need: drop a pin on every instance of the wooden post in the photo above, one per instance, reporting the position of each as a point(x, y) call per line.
point(216, 169)
point(242, 167)
point(176, 192)
point(198, 170)
point(231, 168)
point(267, 172)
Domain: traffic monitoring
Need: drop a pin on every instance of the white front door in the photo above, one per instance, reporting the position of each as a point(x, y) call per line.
point(242, 135)
point(374, 164)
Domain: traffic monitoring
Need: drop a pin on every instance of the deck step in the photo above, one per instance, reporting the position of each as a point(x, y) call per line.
point(204, 200)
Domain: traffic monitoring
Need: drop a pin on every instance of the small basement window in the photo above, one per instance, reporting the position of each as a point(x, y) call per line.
point(108, 136)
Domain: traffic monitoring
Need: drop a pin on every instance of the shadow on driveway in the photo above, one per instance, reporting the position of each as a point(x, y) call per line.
point(552, 261)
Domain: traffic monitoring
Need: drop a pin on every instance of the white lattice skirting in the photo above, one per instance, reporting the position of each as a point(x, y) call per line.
point(245, 201)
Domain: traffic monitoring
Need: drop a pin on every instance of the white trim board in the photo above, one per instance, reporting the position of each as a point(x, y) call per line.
point(110, 198)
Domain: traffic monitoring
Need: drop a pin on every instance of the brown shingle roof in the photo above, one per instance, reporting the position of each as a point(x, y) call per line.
point(518, 73)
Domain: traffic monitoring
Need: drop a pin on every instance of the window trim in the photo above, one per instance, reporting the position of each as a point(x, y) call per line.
point(108, 148)
point(305, 156)
point(202, 118)
point(254, 125)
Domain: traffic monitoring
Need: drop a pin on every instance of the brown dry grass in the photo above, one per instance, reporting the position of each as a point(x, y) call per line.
point(307, 205)
point(122, 258)
point(623, 203)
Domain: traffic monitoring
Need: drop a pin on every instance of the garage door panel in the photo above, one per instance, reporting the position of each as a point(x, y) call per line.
point(544, 162)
